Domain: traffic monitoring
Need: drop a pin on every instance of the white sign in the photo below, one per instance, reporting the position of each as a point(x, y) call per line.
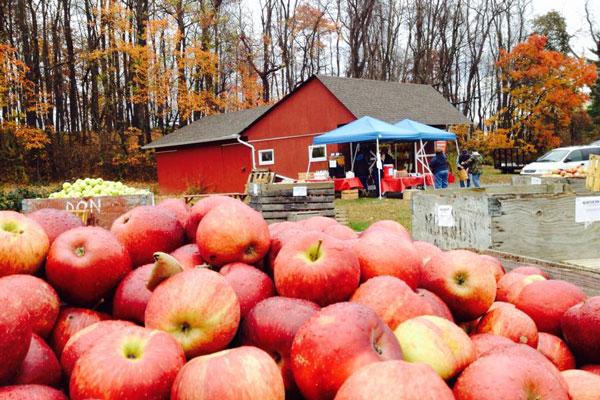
point(444, 215)
point(333, 164)
point(536, 181)
point(299, 191)
point(587, 209)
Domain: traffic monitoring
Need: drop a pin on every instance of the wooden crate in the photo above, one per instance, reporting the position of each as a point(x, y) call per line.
point(593, 178)
point(585, 276)
point(98, 210)
point(535, 221)
point(276, 201)
point(576, 184)
point(351, 194)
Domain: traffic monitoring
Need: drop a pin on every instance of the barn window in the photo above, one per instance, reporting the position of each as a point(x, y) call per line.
point(266, 157)
point(317, 153)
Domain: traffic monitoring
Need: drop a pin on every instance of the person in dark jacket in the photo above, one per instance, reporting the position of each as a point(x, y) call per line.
point(361, 167)
point(464, 156)
point(439, 167)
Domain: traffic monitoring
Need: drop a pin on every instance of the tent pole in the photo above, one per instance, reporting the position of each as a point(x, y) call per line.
point(423, 162)
point(351, 158)
point(416, 158)
point(377, 163)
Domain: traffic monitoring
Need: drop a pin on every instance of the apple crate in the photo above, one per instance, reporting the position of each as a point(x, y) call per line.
point(350, 194)
point(291, 201)
point(576, 184)
point(585, 276)
point(534, 220)
point(97, 210)
point(593, 178)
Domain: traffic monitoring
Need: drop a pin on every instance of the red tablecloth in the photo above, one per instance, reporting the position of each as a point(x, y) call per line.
point(340, 184)
point(399, 184)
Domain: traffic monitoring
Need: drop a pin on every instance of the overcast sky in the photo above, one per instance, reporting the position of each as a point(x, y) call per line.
point(574, 13)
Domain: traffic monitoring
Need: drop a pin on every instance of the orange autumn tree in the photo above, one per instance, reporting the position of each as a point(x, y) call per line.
point(544, 91)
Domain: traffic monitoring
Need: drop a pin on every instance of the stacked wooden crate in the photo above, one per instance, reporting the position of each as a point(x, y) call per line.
point(593, 177)
point(292, 201)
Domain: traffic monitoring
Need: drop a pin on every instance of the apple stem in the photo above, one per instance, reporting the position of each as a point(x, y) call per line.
point(315, 255)
point(80, 251)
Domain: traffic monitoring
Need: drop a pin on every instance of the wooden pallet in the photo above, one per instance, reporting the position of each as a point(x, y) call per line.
point(351, 194)
point(292, 201)
point(341, 215)
point(261, 175)
point(193, 198)
point(592, 182)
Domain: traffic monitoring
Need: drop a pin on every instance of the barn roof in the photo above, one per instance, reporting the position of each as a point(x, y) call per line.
point(394, 101)
point(388, 101)
point(211, 128)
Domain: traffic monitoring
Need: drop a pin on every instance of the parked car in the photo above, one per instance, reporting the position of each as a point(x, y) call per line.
point(596, 143)
point(561, 158)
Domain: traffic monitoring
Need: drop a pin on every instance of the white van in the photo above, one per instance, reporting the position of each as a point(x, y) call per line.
point(561, 158)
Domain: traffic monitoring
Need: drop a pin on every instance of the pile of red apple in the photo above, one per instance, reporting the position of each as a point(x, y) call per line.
point(213, 303)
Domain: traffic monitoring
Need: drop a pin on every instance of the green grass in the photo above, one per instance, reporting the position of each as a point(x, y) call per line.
point(494, 176)
point(364, 211)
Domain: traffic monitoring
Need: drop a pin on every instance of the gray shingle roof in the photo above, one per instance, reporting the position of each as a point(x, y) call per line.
point(388, 101)
point(394, 101)
point(211, 128)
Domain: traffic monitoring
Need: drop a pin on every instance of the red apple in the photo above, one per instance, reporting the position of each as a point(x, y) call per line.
point(54, 221)
point(145, 230)
point(198, 307)
point(509, 322)
point(495, 265)
point(484, 343)
point(385, 252)
point(30, 392)
point(188, 256)
point(341, 232)
point(529, 270)
point(514, 290)
point(463, 281)
point(392, 299)
point(15, 334)
point(39, 298)
point(510, 373)
point(271, 325)
point(243, 373)
point(334, 343)
point(395, 380)
point(85, 264)
point(583, 385)
point(318, 223)
point(278, 239)
point(427, 250)
point(85, 339)
point(181, 211)
point(593, 368)
point(132, 363)
point(556, 351)
point(251, 285)
point(277, 227)
point(581, 329)
point(40, 365)
point(506, 282)
point(390, 226)
point(70, 321)
point(437, 342)
point(23, 244)
point(232, 232)
point(546, 302)
point(201, 208)
point(439, 307)
point(316, 267)
point(132, 295)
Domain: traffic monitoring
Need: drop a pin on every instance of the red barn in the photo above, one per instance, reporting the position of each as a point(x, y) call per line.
point(216, 152)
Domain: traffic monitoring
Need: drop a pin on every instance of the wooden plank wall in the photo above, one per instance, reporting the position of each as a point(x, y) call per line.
point(544, 226)
point(276, 201)
point(103, 210)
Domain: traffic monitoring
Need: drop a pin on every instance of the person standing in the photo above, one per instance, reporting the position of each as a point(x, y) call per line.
point(361, 168)
point(385, 159)
point(475, 166)
point(439, 167)
point(464, 156)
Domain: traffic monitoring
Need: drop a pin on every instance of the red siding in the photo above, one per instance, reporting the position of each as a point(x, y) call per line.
point(204, 166)
point(311, 110)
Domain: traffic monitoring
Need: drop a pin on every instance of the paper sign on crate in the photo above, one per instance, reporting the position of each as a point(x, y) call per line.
point(587, 209)
point(444, 215)
point(299, 191)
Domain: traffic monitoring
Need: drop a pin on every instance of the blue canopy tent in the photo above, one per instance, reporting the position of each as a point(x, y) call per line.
point(366, 129)
point(425, 133)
